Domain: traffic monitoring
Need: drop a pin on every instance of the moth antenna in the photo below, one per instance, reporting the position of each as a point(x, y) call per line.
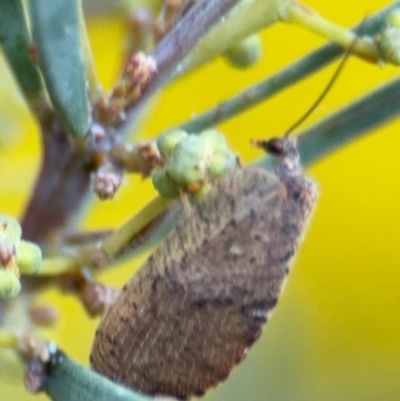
point(276, 146)
point(325, 91)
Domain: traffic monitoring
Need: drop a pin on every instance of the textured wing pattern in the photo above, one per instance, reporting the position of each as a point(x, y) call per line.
point(193, 310)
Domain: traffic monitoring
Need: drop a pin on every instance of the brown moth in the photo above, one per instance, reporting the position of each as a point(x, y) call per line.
point(192, 312)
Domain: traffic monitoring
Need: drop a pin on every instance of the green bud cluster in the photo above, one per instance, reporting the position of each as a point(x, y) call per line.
point(16, 256)
point(191, 161)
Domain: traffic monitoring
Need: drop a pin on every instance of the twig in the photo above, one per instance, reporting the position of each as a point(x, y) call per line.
point(176, 45)
point(61, 186)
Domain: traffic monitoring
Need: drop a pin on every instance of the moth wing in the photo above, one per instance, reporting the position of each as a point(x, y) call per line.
point(191, 313)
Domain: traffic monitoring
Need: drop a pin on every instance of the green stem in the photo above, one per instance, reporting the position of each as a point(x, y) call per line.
point(108, 249)
point(56, 266)
point(309, 19)
point(113, 244)
point(279, 81)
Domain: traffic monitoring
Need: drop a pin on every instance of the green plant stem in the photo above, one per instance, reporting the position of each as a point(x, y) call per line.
point(301, 15)
point(56, 266)
point(113, 244)
point(108, 249)
point(270, 86)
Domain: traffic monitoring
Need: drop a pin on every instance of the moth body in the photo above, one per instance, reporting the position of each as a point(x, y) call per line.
point(193, 310)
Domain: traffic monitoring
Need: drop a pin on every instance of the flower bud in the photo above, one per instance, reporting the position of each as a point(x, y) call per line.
point(246, 53)
point(28, 257)
point(188, 161)
point(222, 163)
point(164, 185)
point(10, 285)
point(10, 228)
point(167, 142)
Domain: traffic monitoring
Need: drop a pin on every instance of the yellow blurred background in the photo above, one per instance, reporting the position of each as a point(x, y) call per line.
point(335, 334)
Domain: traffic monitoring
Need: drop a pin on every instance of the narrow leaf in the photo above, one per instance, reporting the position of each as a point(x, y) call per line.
point(66, 380)
point(56, 33)
point(351, 122)
point(15, 41)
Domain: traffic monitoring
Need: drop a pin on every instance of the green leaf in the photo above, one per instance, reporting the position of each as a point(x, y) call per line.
point(56, 33)
point(351, 122)
point(15, 40)
point(66, 380)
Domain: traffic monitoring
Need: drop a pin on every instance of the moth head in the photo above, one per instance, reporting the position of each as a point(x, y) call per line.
point(284, 149)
